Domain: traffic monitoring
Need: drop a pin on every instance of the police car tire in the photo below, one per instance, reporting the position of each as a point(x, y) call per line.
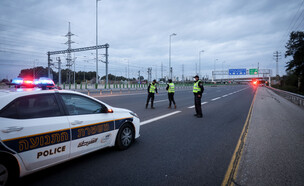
point(7, 173)
point(125, 136)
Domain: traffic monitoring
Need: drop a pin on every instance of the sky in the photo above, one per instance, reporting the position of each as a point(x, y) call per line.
point(232, 34)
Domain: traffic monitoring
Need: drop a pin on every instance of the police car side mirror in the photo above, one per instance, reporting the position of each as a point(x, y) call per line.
point(110, 110)
point(104, 109)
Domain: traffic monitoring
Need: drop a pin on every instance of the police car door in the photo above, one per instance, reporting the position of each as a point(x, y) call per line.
point(36, 129)
point(91, 125)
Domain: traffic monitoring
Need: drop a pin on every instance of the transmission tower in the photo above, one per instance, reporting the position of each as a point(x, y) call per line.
point(183, 77)
point(69, 57)
point(156, 72)
point(149, 74)
point(162, 70)
point(277, 56)
point(139, 77)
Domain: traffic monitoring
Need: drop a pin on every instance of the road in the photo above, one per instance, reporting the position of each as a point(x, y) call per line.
point(176, 150)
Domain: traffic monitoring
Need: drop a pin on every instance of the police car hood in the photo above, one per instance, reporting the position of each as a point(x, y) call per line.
point(120, 110)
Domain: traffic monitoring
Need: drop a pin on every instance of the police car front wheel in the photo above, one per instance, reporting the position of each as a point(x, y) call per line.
point(3, 174)
point(125, 136)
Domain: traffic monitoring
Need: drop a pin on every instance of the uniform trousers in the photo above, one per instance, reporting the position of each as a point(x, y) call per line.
point(171, 98)
point(198, 104)
point(150, 96)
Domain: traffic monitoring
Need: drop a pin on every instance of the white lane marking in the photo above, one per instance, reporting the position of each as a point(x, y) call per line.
point(216, 98)
point(234, 92)
point(219, 97)
point(201, 104)
point(158, 118)
point(161, 100)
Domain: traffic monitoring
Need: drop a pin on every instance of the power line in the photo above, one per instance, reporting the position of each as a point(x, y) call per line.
point(291, 24)
point(298, 17)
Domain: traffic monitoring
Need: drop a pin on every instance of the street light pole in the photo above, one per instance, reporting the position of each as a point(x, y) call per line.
point(223, 70)
point(96, 43)
point(74, 72)
point(199, 63)
point(213, 76)
point(170, 69)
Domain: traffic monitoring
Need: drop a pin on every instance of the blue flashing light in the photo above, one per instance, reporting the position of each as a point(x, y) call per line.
point(42, 82)
point(17, 81)
point(36, 81)
point(46, 81)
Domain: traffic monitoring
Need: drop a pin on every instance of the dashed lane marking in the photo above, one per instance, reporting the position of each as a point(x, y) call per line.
point(161, 100)
point(221, 97)
point(215, 98)
point(201, 104)
point(159, 117)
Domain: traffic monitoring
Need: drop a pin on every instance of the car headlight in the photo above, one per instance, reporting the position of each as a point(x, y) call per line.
point(133, 114)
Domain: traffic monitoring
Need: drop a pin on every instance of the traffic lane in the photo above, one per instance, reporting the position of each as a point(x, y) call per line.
point(177, 150)
point(183, 99)
point(215, 141)
point(198, 151)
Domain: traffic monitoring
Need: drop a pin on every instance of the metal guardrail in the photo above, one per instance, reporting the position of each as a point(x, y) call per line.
point(294, 98)
point(123, 90)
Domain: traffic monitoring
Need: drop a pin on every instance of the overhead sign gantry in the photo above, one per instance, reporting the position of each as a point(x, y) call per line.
point(106, 46)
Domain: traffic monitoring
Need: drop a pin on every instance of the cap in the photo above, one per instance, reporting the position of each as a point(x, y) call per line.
point(196, 76)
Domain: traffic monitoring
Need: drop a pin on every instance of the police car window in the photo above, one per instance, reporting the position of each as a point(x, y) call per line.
point(28, 107)
point(77, 105)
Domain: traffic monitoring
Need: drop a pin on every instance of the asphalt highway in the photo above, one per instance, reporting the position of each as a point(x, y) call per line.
point(175, 148)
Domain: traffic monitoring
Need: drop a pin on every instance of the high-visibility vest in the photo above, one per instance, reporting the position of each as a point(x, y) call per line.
point(171, 88)
point(196, 88)
point(152, 88)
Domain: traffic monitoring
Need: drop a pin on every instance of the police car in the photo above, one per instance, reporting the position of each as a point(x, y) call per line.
point(40, 128)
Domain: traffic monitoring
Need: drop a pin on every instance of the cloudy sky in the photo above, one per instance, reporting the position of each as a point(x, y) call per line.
point(232, 33)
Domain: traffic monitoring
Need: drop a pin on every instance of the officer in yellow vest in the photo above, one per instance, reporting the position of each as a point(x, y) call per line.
point(198, 90)
point(171, 89)
point(151, 91)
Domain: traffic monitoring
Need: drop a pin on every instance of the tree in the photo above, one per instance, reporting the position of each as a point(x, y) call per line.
point(39, 72)
point(295, 49)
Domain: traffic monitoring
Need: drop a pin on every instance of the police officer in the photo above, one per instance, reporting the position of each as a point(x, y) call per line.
point(170, 89)
point(151, 91)
point(198, 90)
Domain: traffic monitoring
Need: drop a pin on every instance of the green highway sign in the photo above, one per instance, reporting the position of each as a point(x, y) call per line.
point(253, 71)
